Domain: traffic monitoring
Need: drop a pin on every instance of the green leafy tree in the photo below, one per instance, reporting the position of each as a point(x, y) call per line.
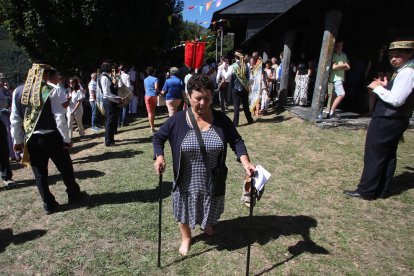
point(77, 35)
point(14, 62)
point(228, 45)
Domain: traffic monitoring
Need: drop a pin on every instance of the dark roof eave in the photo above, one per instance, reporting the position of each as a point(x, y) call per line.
point(258, 33)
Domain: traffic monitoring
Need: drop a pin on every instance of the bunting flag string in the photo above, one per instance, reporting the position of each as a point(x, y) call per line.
point(208, 5)
point(200, 8)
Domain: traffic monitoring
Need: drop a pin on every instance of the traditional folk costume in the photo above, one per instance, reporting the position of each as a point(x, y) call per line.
point(394, 107)
point(38, 120)
point(109, 93)
point(240, 88)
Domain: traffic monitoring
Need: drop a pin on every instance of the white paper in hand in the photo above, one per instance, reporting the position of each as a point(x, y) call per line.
point(261, 177)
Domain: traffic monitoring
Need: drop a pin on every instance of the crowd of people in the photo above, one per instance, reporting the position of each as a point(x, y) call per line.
point(37, 123)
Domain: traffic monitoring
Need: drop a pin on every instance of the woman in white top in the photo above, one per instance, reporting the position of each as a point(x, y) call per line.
point(75, 108)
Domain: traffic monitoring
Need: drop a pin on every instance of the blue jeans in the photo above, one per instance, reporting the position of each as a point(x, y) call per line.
point(93, 107)
point(123, 116)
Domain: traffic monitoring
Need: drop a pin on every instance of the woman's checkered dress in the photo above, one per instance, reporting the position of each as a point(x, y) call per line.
point(191, 203)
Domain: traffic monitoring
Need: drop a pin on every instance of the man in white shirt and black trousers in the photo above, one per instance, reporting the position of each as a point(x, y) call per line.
point(394, 107)
point(38, 120)
point(110, 101)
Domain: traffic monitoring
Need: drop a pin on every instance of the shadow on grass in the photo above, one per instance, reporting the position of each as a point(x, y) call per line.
point(145, 126)
point(147, 196)
point(403, 182)
point(52, 179)
point(233, 234)
point(276, 119)
point(108, 155)
point(79, 148)
point(135, 140)
point(7, 237)
point(88, 137)
point(190, 256)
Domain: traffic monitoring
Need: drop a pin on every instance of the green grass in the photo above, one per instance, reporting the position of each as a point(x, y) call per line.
point(302, 226)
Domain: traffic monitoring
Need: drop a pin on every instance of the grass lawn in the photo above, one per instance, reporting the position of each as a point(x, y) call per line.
point(303, 225)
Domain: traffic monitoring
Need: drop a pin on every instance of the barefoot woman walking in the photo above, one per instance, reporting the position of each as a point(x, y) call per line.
point(196, 199)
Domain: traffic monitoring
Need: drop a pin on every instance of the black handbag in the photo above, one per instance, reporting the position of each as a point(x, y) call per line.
point(218, 175)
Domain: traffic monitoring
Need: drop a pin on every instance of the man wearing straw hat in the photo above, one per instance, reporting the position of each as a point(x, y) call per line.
point(394, 107)
point(40, 131)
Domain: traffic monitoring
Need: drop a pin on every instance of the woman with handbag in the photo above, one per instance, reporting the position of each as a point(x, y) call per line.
point(198, 138)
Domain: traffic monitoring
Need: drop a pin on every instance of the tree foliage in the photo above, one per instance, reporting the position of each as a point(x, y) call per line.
point(14, 62)
point(79, 34)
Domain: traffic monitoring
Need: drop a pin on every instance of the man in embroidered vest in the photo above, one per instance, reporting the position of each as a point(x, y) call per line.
point(394, 106)
point(39, 129)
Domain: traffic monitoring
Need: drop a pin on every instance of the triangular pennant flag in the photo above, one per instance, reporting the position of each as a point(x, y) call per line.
point(218, 3)
point(208, 5)
point(191, 7)
point(169, 19)
point(200, 9)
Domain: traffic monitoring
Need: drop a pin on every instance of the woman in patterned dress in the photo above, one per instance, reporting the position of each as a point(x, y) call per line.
point(194, 200)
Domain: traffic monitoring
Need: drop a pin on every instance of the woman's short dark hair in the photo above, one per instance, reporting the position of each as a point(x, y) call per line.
point(150, 71)
point(199, 82)
point(106, 67)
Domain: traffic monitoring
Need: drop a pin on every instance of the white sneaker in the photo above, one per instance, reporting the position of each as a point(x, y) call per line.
point(9, 183)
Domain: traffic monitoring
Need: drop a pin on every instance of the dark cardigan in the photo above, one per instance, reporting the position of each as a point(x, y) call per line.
point(176, 128)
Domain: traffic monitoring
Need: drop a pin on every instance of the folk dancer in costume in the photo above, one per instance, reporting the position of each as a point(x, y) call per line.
point(110, 101)
point(394, 107)
point(240, 87)
point(39, 129)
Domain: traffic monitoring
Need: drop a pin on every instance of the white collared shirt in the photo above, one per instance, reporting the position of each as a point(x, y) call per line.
point(92, 90)
point(57, 98)
point(220, 73)
point(125, 80)
point(402, 87)
point(106, 88)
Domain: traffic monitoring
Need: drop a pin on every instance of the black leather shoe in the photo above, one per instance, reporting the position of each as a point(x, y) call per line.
point(73, 199)
point(51, 208)
point(385, 195)
point(356, 194)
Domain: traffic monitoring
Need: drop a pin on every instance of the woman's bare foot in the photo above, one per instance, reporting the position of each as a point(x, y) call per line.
point(185, 246)
point(209, 230)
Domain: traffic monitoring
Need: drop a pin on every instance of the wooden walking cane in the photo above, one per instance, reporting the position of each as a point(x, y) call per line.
point(159, 221)
point(252, 191)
